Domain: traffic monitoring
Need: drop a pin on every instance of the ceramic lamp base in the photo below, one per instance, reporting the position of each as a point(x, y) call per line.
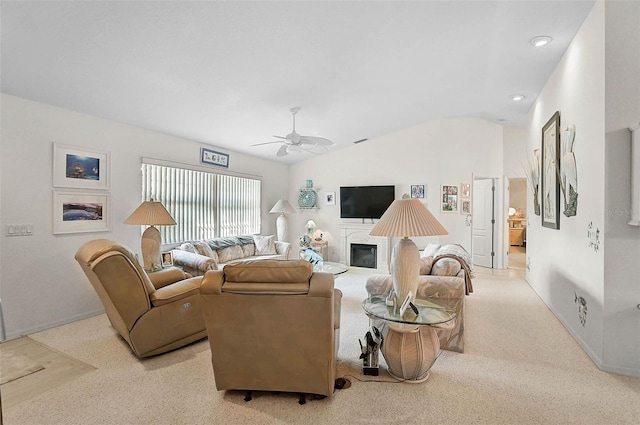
point(405, 269)
point(281, 227)
point(151, 248)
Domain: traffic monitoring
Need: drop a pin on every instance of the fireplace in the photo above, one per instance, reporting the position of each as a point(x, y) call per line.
point(371, 252)
point(364, 255)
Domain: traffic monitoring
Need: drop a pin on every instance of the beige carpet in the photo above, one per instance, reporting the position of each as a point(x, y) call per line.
point(520, 367)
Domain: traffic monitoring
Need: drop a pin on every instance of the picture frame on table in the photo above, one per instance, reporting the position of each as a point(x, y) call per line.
point(449, 198)
point(209, 156)
point(418, 191)
point(167, 259)
point(549, 172)
point(80, 168)
point(81, 212)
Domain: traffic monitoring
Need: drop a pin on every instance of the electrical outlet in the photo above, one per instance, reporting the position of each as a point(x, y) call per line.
point(19, 229)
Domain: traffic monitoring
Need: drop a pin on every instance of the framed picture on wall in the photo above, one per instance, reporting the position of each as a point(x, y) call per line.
point(417, 191)
point(208, 156)
point(466, 207)
point(465, 190)
point(329, 198)
point(80, 212)
point(80, 168)
point(449, 198)
point(550, 169)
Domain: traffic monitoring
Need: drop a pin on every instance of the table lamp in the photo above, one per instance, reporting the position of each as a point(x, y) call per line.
point(282, 207)
point(151, 213)
point(404, 218)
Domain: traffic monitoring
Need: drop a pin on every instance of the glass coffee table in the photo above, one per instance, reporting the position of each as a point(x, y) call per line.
point(334, 268)
point(410, 342)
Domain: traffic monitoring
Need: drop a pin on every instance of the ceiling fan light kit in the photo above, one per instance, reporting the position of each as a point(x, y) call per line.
point(294, 142)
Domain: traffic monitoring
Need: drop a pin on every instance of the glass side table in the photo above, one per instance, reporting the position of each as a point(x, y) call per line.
point(410, 342)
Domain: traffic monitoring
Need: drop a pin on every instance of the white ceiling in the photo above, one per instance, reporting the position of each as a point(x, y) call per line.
point(227, 73)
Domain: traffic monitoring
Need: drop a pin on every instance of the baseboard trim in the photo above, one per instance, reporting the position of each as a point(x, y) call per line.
point(29, 331)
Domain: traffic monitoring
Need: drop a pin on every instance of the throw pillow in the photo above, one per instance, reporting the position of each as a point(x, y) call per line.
point(203, 248)
point(430, 250)
point(187, 247)
point(229, 253)
point(445, 267)
point(265, 245)
point(248, 250)
point(425, 265)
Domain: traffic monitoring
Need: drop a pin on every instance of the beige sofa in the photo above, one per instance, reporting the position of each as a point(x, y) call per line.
point(198, 257)
point(444, 275)
point(272, 326)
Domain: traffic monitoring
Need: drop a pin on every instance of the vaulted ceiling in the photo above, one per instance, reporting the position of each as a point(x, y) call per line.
point(226, 73)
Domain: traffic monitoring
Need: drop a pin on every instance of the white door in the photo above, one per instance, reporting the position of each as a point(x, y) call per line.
point(483, 222)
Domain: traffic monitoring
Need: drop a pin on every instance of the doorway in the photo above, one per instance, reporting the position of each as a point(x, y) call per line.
point(517, 220)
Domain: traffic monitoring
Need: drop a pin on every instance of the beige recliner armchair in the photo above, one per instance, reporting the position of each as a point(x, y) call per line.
point(273, 325)
point(154, 313)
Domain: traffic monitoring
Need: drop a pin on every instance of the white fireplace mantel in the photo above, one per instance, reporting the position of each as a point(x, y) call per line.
point(358, 233)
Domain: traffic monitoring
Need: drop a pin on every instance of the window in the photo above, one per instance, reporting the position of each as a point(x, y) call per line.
point(205, 205)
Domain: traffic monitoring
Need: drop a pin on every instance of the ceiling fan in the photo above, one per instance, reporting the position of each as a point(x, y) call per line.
point(294, 142)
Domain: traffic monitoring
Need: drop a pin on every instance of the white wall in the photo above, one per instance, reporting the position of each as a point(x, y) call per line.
point(621, 352)
point(515, 152)
point(446, 151)
point(41, 285)
point(562, 263)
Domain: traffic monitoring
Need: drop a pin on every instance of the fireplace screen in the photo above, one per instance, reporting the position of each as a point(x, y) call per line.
point(363, 255)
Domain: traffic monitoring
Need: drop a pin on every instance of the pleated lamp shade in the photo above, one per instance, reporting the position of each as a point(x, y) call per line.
point(404, 218)
point(408, 217)
point(282, 207)
point(151, 213)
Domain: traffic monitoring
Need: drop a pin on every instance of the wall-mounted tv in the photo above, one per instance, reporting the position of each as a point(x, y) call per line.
point(365, 201)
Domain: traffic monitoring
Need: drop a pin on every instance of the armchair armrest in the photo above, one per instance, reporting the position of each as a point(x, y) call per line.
point(283, 248)
point(166, 277)
point(176, 291)
point(194, 264)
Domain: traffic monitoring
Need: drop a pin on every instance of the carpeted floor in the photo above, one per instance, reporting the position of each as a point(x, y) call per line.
point(520, 367)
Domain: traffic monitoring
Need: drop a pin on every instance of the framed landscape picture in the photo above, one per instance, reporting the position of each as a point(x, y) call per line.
point(79, 212)
point(449, 198)
point(80, 168)
point(550, 183)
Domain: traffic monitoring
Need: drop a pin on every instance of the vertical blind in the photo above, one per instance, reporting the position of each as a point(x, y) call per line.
point(205, 205)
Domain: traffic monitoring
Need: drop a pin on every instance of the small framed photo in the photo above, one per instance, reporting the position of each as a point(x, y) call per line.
point(465, 190)
point(208, 156)
point(449, 198)
point(80, 168)
point(167, 259)
point(417, 191)
point(466, 207)
point(329, 198)
point(80, 212)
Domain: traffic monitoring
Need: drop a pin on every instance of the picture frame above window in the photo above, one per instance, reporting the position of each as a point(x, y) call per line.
point(418, 191)
point(208, 156)
point(550, 170)
point(80, 168)
point(449, 198)
point(81, 212)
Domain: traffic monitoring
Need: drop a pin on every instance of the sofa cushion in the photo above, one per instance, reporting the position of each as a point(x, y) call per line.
point(425, 265)
point(430, 250)
point(265, 271)
point(445, 267)
point(203, 248)
point(230, 253)
point(249, 250)
point(265, 245)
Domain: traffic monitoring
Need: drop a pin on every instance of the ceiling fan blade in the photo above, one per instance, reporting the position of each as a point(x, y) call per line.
point(316, 140)
point(280, 137)
point(282, 151)
point(267, 143)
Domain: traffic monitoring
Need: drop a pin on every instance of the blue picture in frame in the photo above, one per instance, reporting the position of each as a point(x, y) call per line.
point(82, 167)
point(208, 156)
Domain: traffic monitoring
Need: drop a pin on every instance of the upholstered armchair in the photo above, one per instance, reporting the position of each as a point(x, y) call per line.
point(273, 325)
point(154, 313)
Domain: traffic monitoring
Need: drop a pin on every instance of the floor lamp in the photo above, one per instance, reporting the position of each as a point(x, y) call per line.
point(405, 218)
point(151, 213)
point(282, 207)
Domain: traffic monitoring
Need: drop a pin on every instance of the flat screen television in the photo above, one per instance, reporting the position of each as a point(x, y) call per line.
point(365, 201)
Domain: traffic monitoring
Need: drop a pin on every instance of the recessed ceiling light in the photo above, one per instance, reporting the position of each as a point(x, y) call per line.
point(541, 40)
point(517, 97)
